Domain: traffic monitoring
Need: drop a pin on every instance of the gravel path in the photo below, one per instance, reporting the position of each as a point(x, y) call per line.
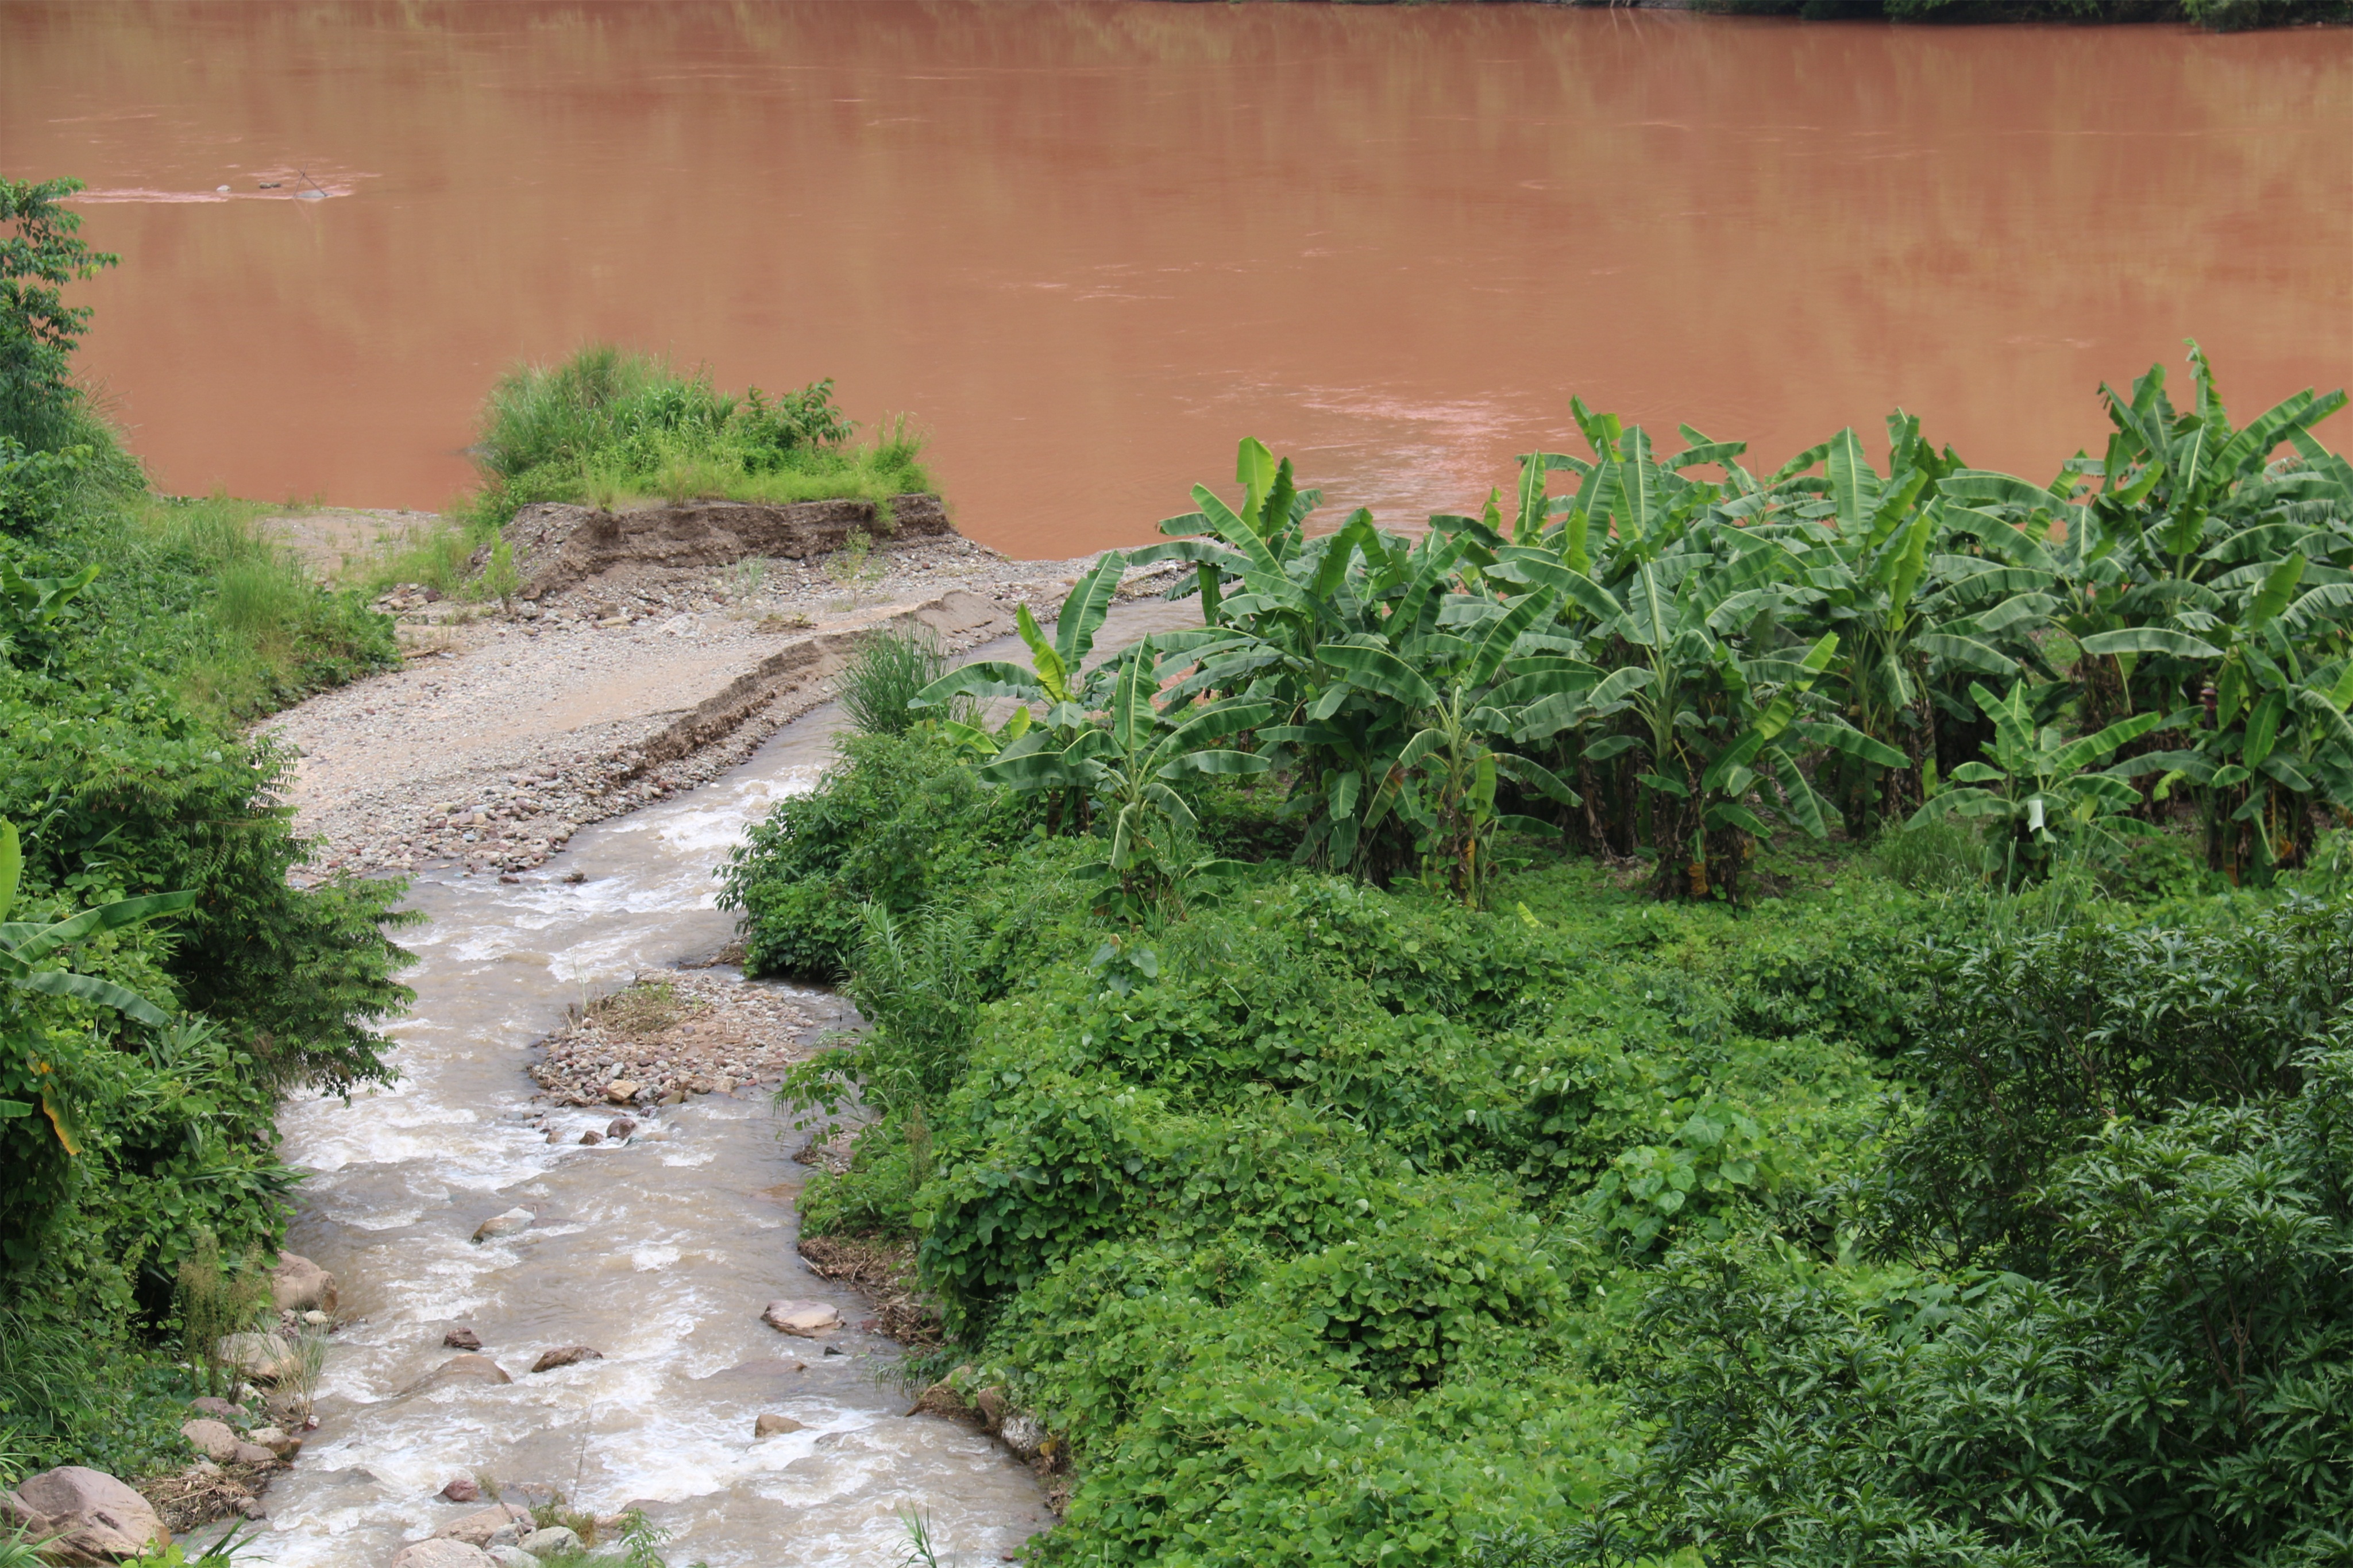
point(504, 733)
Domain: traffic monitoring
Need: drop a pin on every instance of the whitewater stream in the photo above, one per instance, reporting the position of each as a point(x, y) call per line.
point(660, 1253)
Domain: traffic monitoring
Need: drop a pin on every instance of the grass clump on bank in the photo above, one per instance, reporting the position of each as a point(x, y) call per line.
point(616, 429)
point(610, 428)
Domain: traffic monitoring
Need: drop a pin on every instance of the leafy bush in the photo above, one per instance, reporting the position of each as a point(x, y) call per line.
point(2031, 1046)
point(2164, 1392)
point(902, 823)
point(39, 407)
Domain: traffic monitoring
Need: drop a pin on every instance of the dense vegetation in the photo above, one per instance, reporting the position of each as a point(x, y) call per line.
point(145, 1038)
point(1366, 1074)
point(608, 427)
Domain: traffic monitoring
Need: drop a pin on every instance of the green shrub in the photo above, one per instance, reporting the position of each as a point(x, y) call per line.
point(136, 633)
point(2167, 1390)
point(889, 667)
point(40, 407)
point(2033, 1045)
point(901, 822)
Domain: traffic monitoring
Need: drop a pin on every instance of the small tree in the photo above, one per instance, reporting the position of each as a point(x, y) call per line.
point(37, 329)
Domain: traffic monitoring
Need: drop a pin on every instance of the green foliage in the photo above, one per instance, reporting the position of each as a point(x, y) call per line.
point(2171, 1387)
point(888, 668)
point(1664, 667)
point(607, 423)
point(1473, 1207)
point(214, 1300)
point(2037, 782)
point(901, 824)
point(39, 330)
point(74, 1390)
point(2217, 15)
point(2031, 1045)
point(141, 1063)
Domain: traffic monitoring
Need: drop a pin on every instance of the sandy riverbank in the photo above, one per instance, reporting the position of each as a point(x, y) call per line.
point(506, 732)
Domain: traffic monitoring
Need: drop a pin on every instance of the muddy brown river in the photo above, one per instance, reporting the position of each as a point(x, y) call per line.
point(1090, 243)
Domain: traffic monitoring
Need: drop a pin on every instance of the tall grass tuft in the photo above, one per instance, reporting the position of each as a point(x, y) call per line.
point(1940, 855)
point(889, 667)
point(263, 633)
point(216, 1300)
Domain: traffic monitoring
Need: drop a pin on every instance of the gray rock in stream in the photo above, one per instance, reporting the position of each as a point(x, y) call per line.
point(444, 1554)
point(507, 1224)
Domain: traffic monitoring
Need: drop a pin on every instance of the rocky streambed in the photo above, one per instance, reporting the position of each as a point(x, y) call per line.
point(566, 1238)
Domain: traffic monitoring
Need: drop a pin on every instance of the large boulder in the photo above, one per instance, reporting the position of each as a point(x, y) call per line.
point(566, 1355)
point(299, 1284)
point(476, 1528)
point(213, 1439)
point(92, 1517)
point(444, 1554)
point(807, 1319)
point(259, 1358)
point(461, 1369)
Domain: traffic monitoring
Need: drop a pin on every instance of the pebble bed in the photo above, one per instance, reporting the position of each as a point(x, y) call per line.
point(725, 1033)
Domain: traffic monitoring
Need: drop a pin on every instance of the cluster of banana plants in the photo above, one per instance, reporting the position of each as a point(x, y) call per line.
point(1674, 658)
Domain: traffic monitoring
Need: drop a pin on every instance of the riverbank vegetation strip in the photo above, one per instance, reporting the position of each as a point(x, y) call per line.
point(2215, 16)
point(142, 1057)
point(1794, 1018)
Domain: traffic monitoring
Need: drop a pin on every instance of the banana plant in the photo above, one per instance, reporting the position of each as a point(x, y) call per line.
point(2037, 780)
point(25, 944)
point(1417, 720)
point(2173, 484)
point(1692, 727)
point(2271, 734)
point(1708, 729)
point(1054, 681)
point(2187, 518)
point(1130, 766)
